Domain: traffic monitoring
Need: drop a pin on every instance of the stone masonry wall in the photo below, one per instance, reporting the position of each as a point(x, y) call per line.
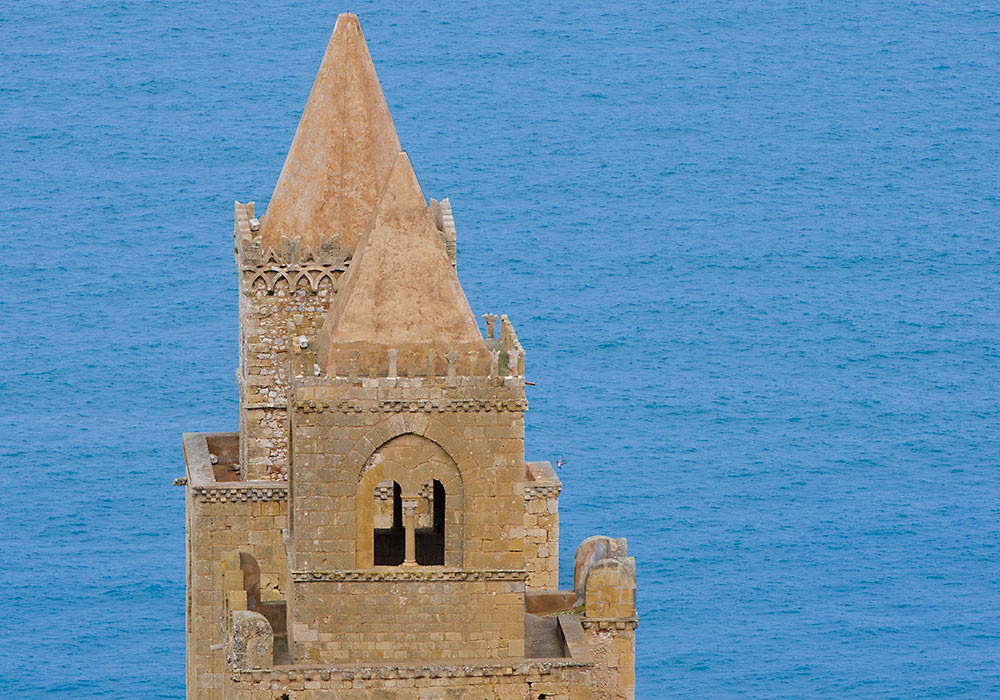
point(612, 645)
point(274, 287)
point(381, 620)
point(264, 337)
point(337, 428)
point(541, 543)
point(541, 527)
point(222, 518)
point(253, 527)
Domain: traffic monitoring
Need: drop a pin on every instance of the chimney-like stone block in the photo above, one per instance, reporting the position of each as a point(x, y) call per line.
point(251, 640)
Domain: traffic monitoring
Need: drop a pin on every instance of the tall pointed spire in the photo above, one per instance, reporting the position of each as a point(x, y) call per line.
point(401, 289)
point(342, 151)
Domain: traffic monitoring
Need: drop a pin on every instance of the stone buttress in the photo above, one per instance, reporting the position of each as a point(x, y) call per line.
point(373, 530)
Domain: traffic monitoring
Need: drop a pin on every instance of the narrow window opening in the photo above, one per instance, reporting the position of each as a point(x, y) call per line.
point(390, 542)
point(430, 540)
point(397, 507)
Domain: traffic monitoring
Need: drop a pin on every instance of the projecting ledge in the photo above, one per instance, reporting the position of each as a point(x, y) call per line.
point(212, 462)
point(414, 669)
point(424, 573)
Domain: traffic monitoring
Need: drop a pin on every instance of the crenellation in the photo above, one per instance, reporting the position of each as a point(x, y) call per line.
point(355, 366)
point(491, 322)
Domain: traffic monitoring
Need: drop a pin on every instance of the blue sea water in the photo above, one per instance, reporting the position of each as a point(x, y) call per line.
point(751, 249)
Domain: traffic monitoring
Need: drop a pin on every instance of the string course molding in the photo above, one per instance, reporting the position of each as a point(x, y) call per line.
point(414, 406)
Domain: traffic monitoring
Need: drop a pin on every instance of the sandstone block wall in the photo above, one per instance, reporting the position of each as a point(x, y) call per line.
point(613, 648)
point(605, 576)
point(380, 620)
point(541, 526)
point(221, 518)
point(337, 428)
point(609, 590)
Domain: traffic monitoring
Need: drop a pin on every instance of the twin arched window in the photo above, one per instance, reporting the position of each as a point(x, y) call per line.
point(423, 530)
point(409, 506)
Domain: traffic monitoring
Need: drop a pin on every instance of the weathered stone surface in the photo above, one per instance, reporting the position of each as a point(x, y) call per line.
point(374, 531)
point(589, 552)
point(252, 642)
point(341, 154)
point(610, 589)
point(401, 290)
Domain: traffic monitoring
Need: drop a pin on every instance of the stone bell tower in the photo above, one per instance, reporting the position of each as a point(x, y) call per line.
point(402, 393)
point(373, 530)
point(291, 260)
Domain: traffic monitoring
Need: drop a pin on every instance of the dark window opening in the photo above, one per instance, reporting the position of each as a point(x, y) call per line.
point(390, 544)
point(430, 540)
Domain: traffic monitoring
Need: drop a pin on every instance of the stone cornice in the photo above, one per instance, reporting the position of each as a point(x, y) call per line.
point(414, 406)
point(515, 667)
point(415, 574)
point(541, 491)
point(240, 494)
point(602, 623)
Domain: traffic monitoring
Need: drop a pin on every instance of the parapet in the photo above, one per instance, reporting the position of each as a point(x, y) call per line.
point(503, 363)
point(541, 481)
point(214, 473)
point(250, 250)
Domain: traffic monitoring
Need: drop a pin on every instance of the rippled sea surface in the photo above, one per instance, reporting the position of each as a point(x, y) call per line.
point(751, 249)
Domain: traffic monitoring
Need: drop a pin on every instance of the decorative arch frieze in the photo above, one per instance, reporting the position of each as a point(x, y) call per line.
point(311, 278)
point(400, 424)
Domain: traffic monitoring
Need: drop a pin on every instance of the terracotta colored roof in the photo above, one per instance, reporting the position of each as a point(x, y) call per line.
point(342, 151)
point(401, 289)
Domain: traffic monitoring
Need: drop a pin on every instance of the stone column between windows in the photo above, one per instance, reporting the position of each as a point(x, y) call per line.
point(410, 525)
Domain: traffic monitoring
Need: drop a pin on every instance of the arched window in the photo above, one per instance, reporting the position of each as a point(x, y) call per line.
point(409, 506)
point(430, 539)
point(390, 535)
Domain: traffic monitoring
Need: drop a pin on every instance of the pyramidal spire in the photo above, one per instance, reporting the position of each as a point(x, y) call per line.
point(342, 151)
point(401, 289)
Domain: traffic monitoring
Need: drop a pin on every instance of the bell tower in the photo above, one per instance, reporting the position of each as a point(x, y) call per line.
point(407, 468)
point(373, 529)
point(291, 260)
